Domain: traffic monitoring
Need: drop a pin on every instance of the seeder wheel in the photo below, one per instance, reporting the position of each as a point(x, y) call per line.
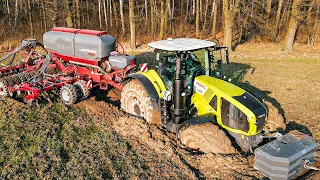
point(68, 94)
point(3, 88)
point(82, 90)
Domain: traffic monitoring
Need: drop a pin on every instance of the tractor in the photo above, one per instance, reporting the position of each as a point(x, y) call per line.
point(189, 96)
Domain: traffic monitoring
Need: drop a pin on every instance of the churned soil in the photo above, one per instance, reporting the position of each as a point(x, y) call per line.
point(162, 152)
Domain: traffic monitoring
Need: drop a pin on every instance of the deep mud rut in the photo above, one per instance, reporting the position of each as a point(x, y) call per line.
point(163, 153)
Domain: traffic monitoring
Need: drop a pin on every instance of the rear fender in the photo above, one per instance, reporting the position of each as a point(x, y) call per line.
point(153, 84)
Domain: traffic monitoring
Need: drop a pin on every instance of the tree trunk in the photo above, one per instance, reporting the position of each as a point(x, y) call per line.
point(55, 13)
point(309, 21)
point(121, 16)
point(205, 15)
point(8, 10)
point(16, 13)
point(170, 14)
point(214, 18)
point(99, 6)
point(268, 8)
point(78, 14)
point(146, 13)
point(105, 14)
point(193, 7)
point(132, 25)
point(293, 25)
point(88, 16)
point(43, 8)
point(30, 18)
point(166, 19)
point(110, 13)
point(315, 27)
point(278, 20)
point(69, 17)
point(186, 17)
point(115, 15)
point(152, 19)
point(229, 11)
point(163, 17)
point(197, 19)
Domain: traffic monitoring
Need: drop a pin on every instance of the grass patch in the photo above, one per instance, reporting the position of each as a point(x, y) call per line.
point(60, 142)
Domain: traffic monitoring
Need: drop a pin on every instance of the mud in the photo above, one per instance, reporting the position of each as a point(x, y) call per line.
point(163, 153)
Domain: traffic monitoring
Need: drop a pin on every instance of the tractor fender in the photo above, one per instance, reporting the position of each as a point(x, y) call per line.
point(147, 84)
point(202, 119)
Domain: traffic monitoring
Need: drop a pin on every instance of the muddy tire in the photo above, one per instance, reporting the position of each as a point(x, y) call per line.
point(275, 121)
point(135, 100)
point(3, 89)
point(68, 94)
point(82, 90)
point(206, 138)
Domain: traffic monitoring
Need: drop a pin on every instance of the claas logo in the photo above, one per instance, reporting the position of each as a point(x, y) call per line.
point(201, 85)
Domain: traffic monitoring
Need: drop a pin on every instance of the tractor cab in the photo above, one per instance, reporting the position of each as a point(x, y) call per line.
point(198, 57)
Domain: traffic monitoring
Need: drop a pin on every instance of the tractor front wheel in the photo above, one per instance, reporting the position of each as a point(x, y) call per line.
point(135, 100)
point(206, 138)
point(275, 120)
point(68, 94)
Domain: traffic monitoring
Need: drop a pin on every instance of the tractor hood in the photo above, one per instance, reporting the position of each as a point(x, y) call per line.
point(209, 86)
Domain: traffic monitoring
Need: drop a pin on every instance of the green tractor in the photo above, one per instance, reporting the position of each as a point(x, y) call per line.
point(197, 103)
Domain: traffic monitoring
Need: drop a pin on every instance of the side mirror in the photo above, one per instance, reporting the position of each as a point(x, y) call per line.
point(226, 56)
point(211, 58)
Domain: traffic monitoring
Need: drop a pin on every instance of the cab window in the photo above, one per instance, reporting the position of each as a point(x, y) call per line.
point(233, 117)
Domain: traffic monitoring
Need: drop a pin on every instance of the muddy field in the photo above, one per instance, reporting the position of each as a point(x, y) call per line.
point(94, 139)
point(161, 150)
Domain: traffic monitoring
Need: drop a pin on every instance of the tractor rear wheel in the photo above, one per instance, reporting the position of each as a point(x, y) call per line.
point(275, 120)
point(3, 89)
point(68, 94)
point(82, 90)
point(206, 138)
point(135, 100)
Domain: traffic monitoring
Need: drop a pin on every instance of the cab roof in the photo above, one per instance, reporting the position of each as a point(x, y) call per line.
point(181, 44)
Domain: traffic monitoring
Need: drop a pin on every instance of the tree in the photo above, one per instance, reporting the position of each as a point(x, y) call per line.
point(197, 19)
point(30, 18)
point(132, 25)
point(78, 14)
point(16, 13)
point(163, 16)
point(293, 25)
point(277, 20)
point(152, 19)
point(69, 17)
point(121, 16)
point(205, 15)
point(214, 18)
point(229, 12)
point(99, 5)
point(105, 14)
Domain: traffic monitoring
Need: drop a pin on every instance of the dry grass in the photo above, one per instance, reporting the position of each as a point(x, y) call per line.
point(290, 80)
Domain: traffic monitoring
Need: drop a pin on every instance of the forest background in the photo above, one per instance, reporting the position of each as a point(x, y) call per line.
point(233, 22)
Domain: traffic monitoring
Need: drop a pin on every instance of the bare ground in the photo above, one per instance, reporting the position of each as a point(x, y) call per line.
point(160, 149)
point(94, 139)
